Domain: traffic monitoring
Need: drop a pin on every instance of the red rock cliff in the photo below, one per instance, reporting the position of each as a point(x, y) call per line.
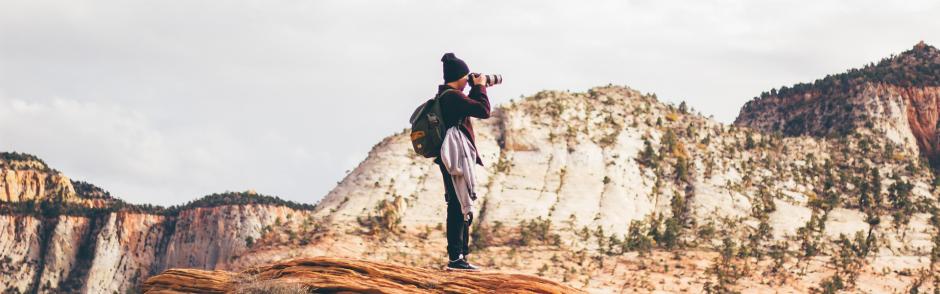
point(896, 98)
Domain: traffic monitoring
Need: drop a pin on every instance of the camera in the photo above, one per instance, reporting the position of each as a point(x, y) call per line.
point(490, 80)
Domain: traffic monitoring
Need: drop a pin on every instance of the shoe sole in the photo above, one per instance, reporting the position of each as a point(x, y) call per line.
point(460, 269)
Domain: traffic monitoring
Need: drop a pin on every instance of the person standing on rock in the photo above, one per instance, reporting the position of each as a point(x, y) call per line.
point(456, 109)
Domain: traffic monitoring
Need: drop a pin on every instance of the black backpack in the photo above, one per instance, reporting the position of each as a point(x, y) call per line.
point(427, 127)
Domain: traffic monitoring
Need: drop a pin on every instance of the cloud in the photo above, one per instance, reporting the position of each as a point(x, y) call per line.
point(124, 152)
point(105, 142)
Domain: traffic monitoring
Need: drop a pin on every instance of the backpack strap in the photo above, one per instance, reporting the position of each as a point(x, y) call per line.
point(442, 94)
point(445, 91)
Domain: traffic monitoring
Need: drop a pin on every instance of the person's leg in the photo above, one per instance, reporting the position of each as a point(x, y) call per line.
point(455, 223)
point(456, 229)
point(466, 235)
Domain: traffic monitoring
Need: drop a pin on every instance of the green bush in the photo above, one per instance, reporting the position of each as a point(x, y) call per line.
point(725, 270)
point(384, 219)
point(537, 231)
point(636, 239)
point(647, 156)
point(6, 159)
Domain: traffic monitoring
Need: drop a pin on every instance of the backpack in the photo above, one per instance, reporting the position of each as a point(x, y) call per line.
point(427, 127)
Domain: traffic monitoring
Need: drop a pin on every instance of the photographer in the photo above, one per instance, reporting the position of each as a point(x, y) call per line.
point(456, 108)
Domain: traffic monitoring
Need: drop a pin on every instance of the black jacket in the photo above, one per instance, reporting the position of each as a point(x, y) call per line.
point(456, 107)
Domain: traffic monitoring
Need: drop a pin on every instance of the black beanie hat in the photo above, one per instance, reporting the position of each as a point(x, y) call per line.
point(454, 68)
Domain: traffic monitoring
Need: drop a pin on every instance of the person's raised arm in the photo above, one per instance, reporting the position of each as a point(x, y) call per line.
point(477, 104)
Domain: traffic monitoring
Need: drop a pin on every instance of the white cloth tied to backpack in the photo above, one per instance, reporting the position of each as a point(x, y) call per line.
point(459, 158)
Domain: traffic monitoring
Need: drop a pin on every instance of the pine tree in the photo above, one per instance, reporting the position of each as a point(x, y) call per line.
point(648, 155)
point(876, 188)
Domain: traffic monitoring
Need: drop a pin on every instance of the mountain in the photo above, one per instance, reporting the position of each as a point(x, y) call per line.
point(65, 236)
point(898, 98)
point(815, 187)
point(577, 182)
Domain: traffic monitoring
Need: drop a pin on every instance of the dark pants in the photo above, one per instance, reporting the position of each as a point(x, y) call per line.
point(458, 230)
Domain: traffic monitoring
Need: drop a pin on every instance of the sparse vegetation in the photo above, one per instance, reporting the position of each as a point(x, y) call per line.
point(637, 239)
point(725, 270)
point(899, 194)
point(385, 219)
point(89, 191)
point(537, 231)
point(848, 261)
point(648, 156)
point(22, 161)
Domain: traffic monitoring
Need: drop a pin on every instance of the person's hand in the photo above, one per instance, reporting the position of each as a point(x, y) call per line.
point(479, 80)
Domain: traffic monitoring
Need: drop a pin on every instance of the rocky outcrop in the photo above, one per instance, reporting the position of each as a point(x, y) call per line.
point(117, 251)
point(60, 235)
point(211, 237)
point(190, 281)
point(25, 178)
point(19, 252)
point(125, 250)
point(32, 184)
point(67, 248)
point(923, 116)
point(333, 275)
point(896, 99)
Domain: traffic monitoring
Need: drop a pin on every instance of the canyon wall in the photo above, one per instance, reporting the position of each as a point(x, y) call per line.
point(53, 240)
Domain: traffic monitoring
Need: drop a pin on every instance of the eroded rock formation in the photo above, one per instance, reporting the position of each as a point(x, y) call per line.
point(57, 235)
point(335, 275)
point(898, 98)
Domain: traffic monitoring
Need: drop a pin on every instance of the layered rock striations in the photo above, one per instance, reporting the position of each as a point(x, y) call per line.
point(896, 98)
point(65, 236)
point(334, 275)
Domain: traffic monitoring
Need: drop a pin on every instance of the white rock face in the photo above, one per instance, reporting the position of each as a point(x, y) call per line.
point(209, 238)
point(124, 252)
point(19, 252)
point(59, 236)
point(66, 239)
point(574, 158)
point(544, 170)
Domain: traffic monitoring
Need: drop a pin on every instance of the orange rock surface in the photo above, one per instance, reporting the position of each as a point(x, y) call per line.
point(325, 274)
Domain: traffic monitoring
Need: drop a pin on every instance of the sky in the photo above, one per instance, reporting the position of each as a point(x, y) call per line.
point(163, 102)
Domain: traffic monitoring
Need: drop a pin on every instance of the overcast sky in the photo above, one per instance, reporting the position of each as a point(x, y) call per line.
point(166, 101)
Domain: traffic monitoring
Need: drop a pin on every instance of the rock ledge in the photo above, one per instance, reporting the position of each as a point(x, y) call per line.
point(331, 275)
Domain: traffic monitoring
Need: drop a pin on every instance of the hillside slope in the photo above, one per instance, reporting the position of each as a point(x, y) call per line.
point(64, 236)
point(898, 98)
point(613, 171)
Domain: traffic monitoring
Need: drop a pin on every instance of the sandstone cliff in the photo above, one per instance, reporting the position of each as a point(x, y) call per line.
point(896, 98)
point(65, 236)
point(25, 178)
